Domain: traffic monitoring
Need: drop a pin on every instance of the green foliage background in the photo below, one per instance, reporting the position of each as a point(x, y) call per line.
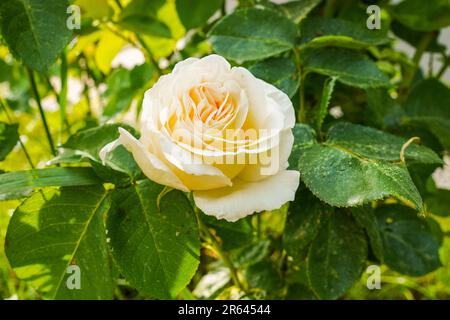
point(366, 195)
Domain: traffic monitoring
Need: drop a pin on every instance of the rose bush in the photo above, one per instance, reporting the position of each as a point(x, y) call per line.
point(220, 132)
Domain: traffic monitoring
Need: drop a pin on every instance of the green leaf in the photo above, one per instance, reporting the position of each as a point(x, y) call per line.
point(15, 185)
point(253, 34)
point(365, 217)
point(35, 30)
point(263, 275)
point(438, 203)
point(336, 257)
point(422, 15)
point(142, 24)
point(156, 248)
point(9, 136)
point(378, 145)
point(323, 32)
point(88, 143)
point(322, 111)
point(409, 245)
point(57, 228)
point(359, 164)
point(298, 10)
point(298, 291)
point(425, 110)
point(281, 72)
point(202, 11)
point(124, 86)
point(350, 67)
point(233, 234)
point(302, 225)
point(382, 111)
point(304, 136)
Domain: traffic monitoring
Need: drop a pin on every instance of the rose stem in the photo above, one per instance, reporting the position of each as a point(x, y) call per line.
point(41, 110)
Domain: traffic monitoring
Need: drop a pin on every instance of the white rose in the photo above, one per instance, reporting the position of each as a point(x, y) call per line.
point(219, 132)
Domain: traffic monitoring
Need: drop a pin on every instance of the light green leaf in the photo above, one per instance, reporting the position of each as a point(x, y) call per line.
point(156, 248)
point(281, 72)
point(423, 15)
point(253, 34)
point(202, 11)
point(337, 256)
point(409, 245)
point(15, 185)
point(9, 136)
point(359, 164)
point(57, 228)
point(322, 111)
point(324, 32)
point(425, 110)
point(298, 10)
point(350, 67)
point(35, 30)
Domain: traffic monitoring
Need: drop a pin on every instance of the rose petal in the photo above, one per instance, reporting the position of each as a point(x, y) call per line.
point(150, 165)
point(245, 198)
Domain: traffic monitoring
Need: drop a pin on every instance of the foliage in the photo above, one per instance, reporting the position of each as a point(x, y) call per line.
point(366, 196)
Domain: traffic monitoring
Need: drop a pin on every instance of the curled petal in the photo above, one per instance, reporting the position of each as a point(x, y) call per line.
point(245, 198)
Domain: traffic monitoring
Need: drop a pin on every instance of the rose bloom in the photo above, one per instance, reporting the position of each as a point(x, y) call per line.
point(219, 132)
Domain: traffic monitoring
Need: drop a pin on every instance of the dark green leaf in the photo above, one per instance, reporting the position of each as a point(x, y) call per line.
point(382, 110)
point(322, 111)
point(35, 30)
point(359, 164)
point(322, 32)
point(195, 13)
point(233, 234)
point(253, 34)
point(365, 217)
point(263, 275)
point(298, 291)
point(337, 256)
point(302, 224)
point(156, 248)
point(350, 67)
point(15, 185)
point(281, 72)
point(423, 15)
point(298, 10)
point(57, 228)
point(424, 109)
point(304, 135)
point(438, 203)
point(9, 136)
point(409, 246)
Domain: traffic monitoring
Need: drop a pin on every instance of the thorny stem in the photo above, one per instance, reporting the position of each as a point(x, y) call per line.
point(41, 111)
point(421, 48)
point(301, 116)
point(22, 145)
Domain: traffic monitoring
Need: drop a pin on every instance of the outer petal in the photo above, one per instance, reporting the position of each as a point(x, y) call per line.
point(152, 167)
point(245, 198)
point(277, 99)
